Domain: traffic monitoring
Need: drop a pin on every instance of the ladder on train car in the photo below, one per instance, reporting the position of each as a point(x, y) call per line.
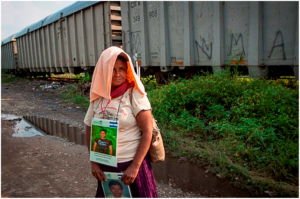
point(116, 23)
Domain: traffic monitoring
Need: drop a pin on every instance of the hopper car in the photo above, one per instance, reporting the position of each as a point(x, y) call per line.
point(173, 37)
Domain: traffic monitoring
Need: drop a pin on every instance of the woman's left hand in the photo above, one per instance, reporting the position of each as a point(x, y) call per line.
point(130, 174)
point(145, 121)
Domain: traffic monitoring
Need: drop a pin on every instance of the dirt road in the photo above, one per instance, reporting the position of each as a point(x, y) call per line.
point(47, 166)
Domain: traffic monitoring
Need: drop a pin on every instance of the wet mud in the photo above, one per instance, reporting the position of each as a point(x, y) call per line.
point(178, 173)
point(189, 177)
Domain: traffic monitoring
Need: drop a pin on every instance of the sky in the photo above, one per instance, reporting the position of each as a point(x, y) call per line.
point(17, 15)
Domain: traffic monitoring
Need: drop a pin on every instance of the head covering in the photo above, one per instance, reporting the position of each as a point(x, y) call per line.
point(102, 76)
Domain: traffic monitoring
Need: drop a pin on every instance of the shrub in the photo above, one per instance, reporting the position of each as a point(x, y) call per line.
point(256, 119)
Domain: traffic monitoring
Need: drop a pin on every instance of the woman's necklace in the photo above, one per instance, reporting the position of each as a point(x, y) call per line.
point(103, 109)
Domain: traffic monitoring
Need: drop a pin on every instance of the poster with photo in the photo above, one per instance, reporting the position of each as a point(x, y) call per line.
point(114, 187)
point(103, 145)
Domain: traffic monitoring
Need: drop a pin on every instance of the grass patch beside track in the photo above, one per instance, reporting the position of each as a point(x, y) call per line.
point(8, 78)
point(243, 129)
point(72, 95)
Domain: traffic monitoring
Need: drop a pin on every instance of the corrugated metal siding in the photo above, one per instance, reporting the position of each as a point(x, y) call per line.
point(75, 7)
point(8, 57)
point(75, 41)
point(168, 34)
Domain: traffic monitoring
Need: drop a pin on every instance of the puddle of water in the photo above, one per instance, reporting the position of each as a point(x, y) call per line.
point(22, 127)
point(189, 177)
point(25, 129)
point(9, 117)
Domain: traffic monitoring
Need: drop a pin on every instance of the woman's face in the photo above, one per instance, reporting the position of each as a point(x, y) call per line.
point(119, 74)
point(116, 190)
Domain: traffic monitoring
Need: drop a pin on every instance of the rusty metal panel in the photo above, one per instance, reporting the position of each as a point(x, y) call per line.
point(49, 127)
point(64, 130)
point(77, 135)
point(44, 125)
point(58, 129)
point(83, 139)
point(71, 134)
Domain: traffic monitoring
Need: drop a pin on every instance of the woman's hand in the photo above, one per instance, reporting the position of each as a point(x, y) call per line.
point(97, 172)
point(130, 174)
point(144, 119)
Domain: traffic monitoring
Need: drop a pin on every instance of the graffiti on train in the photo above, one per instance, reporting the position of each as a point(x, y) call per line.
point(235, 41)
point(281, 45)
point(136, 43)
point(205, 48)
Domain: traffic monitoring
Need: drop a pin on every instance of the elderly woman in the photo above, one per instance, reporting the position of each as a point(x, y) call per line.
point(117, 93)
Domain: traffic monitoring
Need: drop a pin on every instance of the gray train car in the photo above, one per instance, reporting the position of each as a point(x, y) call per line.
point(186, 34)
point(9, 60)
point(70, 40)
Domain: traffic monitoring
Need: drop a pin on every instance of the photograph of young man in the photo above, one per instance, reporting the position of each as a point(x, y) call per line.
point(102, 145)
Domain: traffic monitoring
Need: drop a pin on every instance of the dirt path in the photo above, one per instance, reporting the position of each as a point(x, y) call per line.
point(47, 166)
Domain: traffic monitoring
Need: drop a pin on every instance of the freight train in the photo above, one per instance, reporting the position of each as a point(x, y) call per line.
point(174, 37)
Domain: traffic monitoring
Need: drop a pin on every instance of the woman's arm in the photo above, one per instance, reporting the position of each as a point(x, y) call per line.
point(95, 168)
point(145, 121)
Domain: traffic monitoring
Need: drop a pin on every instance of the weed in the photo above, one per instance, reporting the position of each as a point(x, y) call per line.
point(245, 124)
point(149, 83)
point(8, 78)
point(71, 95)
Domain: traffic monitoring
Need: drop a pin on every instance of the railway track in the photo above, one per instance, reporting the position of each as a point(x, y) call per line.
point(56, 79)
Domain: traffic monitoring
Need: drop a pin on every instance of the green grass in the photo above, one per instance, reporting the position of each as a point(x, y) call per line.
point(238, 127)
point(8, 78)
point(70, 95)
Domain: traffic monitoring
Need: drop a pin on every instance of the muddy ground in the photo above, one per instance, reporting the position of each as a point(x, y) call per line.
point(47, 166)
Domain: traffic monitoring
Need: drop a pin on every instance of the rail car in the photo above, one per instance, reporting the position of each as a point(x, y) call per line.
point(70, 40)
point(9, 59)
point(179, 37)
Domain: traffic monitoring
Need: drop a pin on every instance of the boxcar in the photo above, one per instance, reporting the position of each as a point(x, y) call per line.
point(70, 40)
point(179, 37)
point(9, 61)
point(186, 34)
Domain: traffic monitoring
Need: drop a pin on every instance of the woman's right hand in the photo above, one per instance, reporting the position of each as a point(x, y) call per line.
point(97, 172)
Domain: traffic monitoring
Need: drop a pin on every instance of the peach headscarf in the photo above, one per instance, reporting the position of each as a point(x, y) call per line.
point(102, 76)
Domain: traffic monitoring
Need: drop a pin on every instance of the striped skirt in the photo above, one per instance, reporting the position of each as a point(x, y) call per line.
point(144, 186)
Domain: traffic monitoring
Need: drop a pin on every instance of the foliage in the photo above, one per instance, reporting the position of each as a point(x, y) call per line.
point(8, 78)
point(76, 97)
point(149, 82)
point(243, 123)
point(86, 78)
